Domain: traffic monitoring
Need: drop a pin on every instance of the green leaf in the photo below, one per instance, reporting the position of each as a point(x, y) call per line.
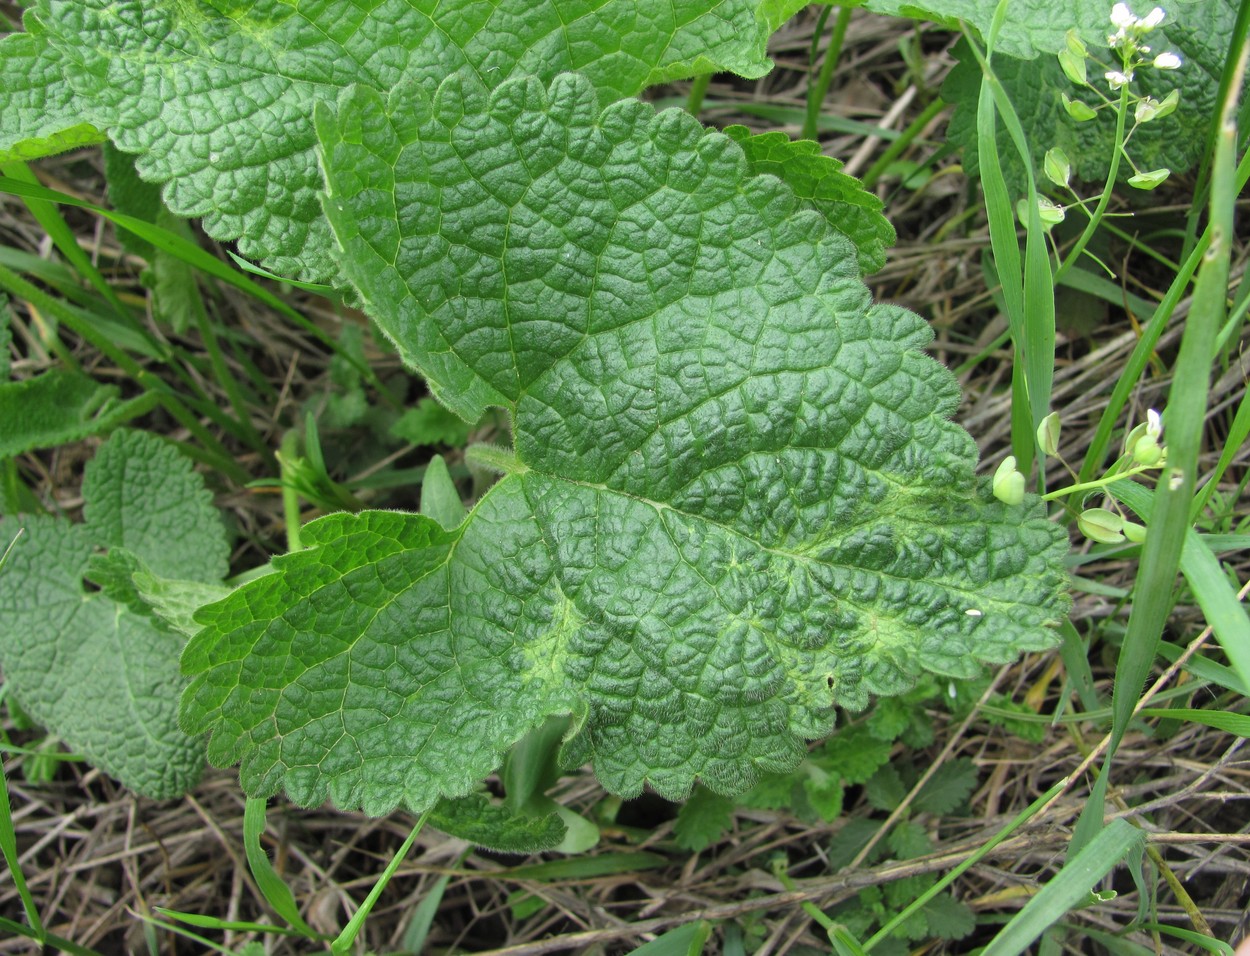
point(429, 423)
point(735, 500)
point(909, 840)
point(818, 181)
point(216, 101)
point(885, 790)
point(948, 918)
point(92, 671)
point(41, 115)
point(1197, 31)
point(479, 820)
point(948, 788)
point(702, 819)
point(142, 495)
point(1068, 887)
point(440, 498)
point(58, 407)
point(855, 753)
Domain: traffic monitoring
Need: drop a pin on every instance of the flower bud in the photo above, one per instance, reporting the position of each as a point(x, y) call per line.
point(1048, 435)
point(1008, 484)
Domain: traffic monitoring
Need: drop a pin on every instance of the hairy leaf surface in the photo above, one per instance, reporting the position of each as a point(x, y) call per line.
point(92, 670)
point(40, 115)
point(819, 180)
point(59, 406)
point(737, 498)
point(216, 99)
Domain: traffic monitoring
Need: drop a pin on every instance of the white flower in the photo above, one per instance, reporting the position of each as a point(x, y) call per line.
point(1154, 423)
point(1167, 61)
point(1116, 79)
point(1122, 16)
point(1152, 19)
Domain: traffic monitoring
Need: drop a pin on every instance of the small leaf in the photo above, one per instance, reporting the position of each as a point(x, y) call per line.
point(909, 840)
point(948, 788)
point(948, 918)
point(429, 423)
point(90, 669)
point(702, 820)
point(440, 498)
point(855, 753)
point(885, 791)
point(58, 407)
point(481, 821)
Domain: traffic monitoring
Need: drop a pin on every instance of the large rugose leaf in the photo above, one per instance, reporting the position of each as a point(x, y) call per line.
point(94, 671)
point(737, 497)
point(216, 100)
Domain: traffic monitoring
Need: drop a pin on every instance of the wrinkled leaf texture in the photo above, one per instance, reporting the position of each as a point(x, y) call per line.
point(737, 500)
point(93, 671)
point(216, 99)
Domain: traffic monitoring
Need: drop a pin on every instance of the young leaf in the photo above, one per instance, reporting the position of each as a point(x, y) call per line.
point(818, 181)
point(142, 495)
point(92, 671)
point(735, 499)
point(60, 406)
point(217, 103)
point(948, 788)
point(702, 819)
point(948, 918)
point(479, 820)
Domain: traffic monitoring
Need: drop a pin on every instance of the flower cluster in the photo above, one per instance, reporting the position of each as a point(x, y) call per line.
point(1143, 451)
point(1128, 41)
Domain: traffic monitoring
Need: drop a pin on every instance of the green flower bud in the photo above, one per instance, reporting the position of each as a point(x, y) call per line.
point(1048, 435)
point(1008, 483)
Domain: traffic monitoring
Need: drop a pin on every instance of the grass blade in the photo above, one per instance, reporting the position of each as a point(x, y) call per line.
point(343, 942)
point(277, 894)
point(1067, 888)
point(8, 845)
point(687, 940)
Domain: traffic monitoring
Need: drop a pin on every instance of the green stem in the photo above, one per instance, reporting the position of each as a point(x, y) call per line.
point(1108, 187)
point(698, 89)
point(346, 938)
point(816, 92)
point(290, 497)
point(905, 139)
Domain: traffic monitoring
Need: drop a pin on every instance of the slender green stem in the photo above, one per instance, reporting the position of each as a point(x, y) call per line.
point(290, 497)
point(224, 376)
point(905, 139)
point(346, 938)
point(817, 91)
point(698, 90)
point(1113, 172)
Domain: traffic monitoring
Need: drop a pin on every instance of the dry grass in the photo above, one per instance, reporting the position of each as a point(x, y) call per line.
point(97, 858)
